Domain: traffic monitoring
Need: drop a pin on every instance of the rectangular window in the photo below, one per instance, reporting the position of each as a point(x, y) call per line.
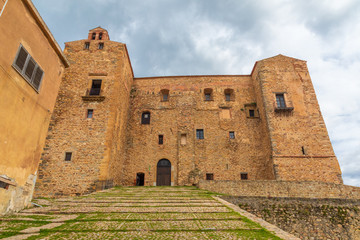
point(199, 133)
point(68, 156)
point(209, 176)
point(90, 113)
point(165, 97)
point(28, 68)
point(101, 45)
point(207, 97)
point(87, 45)
point(228, 97)
point(280, 100)
point(251, 113)
point(93, 36)
point(95, 87)
point(161, 139)
point(232, 135)
point(244, 176)
point(100, 36)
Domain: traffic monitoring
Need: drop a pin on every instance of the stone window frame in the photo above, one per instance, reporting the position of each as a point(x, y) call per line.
point(229, 95)
point(285, 104)
point(244, 176)
point(23, 63)
point(251, 107)
point(161, 139)
point(231, 134)
point(145, 120)
point(209, 176)
point(200, 135)
point(164, 94)
point(208, 94)
point(68, 156)
point(90, 112)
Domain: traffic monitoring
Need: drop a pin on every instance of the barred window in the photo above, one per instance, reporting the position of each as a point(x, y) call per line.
point(28, 68)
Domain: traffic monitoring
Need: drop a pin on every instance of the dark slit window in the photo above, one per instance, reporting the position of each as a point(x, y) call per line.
point(100, 36)
point(93, 36)
point(161, 139)
point(95, 87)
point(68, 156)
point(145, 118)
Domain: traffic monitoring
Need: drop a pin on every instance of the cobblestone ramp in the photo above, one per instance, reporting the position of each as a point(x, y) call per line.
point(137, 213)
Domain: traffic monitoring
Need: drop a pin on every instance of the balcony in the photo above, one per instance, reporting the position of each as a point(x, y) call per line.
point(93, 94)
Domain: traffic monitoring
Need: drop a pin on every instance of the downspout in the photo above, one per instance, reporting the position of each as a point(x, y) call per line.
point(2, 10)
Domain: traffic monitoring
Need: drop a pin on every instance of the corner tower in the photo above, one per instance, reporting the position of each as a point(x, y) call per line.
point(85, 144)
point(300, 148)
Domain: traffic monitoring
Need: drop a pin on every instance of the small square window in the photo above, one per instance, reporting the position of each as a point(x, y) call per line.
point(199, 133)
point(68, 156)
point(232, 135)
point(161, 139)
point(87, 45)
point(101, 45)
point(90, 113)
point(252, 113)
point(244, 176)
point(209, 176)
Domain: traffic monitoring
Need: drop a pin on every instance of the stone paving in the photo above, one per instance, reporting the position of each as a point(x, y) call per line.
point(137, 213)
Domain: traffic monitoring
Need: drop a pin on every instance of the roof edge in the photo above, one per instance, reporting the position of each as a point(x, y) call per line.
point(179, 76)
point(44, 28)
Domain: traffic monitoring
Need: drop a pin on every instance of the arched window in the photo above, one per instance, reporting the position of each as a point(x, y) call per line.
point(208, 94)
point(229, 94)
point(145, 118)
point(164, 95)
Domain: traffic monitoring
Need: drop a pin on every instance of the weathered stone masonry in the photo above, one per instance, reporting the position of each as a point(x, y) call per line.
point(270, 139)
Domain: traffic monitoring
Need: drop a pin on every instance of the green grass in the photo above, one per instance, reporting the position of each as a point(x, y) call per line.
point(12, 228)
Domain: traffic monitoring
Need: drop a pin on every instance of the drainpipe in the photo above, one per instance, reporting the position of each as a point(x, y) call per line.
point(2, 10)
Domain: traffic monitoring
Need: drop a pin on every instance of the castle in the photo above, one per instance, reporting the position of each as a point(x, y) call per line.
point(109, 128)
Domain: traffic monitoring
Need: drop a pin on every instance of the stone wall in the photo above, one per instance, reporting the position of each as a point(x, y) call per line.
point(282, 189)
point(187, 110)
point(307, 218)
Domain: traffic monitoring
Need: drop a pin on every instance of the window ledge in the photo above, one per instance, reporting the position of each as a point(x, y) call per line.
point(93, 98)
point(284, 109)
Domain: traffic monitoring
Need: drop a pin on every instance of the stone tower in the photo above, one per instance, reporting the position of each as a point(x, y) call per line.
point(300, 148)
point(85, 144)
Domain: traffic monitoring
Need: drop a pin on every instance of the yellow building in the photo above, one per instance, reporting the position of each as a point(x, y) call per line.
point(31, 68)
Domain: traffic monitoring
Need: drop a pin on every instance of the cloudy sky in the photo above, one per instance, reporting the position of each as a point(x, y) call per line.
point(192, 37)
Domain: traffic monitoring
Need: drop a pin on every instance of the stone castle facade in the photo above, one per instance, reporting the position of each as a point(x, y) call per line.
point(109, 128)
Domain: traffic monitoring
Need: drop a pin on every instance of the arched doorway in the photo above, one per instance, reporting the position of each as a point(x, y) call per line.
point(163, 176)
point(140, 179)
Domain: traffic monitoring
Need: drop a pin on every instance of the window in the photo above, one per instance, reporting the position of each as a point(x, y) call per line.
point(209, 176)
point(101, 45)
point(28, 68)
point(161, 139)
point(232, 135)
point(303, 150)
point(90, 113)
point(251, 113)
point(280, 100)
point(208, 94)
point(95, 87)
point(87, 45)
point(244, 176)
point(199, 134)
point(68, 156)
point(93, 37)
point(100, 36)
point(164, 95)
point(229, 95)
point(145, 118)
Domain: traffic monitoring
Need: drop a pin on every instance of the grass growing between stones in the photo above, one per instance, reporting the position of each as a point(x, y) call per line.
point(154, 213)
point(13, 227)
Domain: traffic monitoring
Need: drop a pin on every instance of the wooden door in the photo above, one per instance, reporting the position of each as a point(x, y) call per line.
point(163, 176)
